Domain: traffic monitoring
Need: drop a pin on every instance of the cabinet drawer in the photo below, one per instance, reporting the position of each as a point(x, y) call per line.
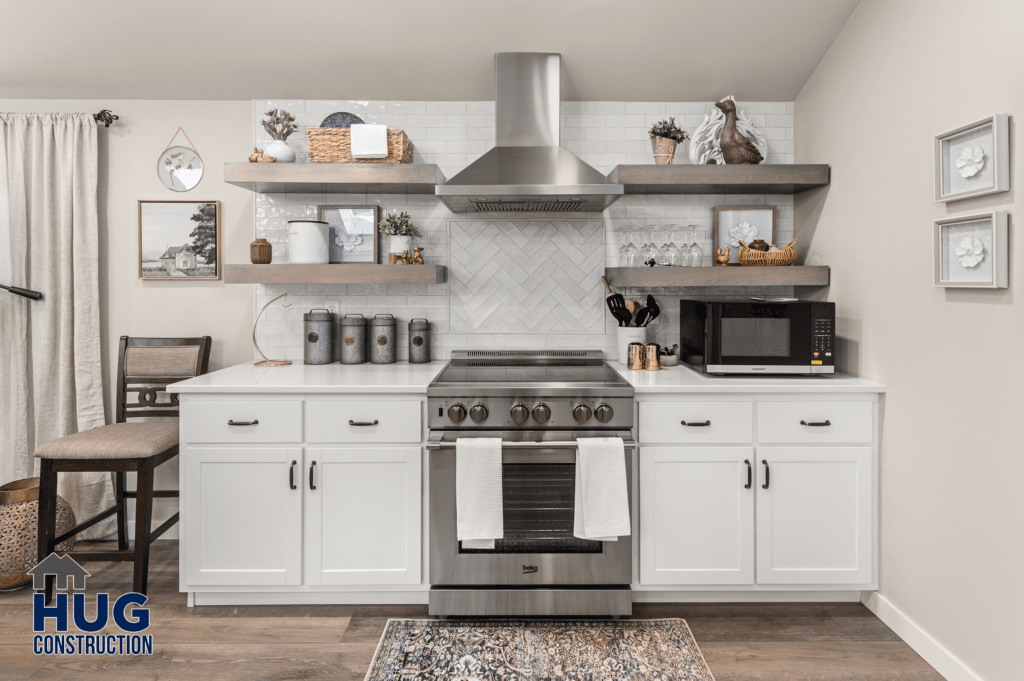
point(208, 421)
point(363, 421)
point(789, 422)
point(727, 422)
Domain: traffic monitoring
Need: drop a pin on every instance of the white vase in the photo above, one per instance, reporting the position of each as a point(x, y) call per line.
point(627, 335)
point(280, 150)
point(308, 242)
point(399, 244)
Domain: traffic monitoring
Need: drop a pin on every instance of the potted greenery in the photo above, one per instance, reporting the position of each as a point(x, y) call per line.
point(665, 136)
point(400, 231)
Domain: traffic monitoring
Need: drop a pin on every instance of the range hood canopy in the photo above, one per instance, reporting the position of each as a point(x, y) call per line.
point(527, 170)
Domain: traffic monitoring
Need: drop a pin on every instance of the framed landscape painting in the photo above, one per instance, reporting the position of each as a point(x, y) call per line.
point(179, 240)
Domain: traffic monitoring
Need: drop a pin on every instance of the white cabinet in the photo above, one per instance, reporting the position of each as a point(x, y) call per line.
point(814, 515)
point(696, 515)
point(362, 515)
point(244, 516)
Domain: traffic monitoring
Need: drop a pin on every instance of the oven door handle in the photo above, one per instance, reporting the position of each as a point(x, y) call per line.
point(571, 444)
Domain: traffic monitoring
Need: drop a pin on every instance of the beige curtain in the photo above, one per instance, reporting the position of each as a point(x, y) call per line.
point(50, 376)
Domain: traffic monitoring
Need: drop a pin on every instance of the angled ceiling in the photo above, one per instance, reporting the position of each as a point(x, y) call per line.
point(646, 50)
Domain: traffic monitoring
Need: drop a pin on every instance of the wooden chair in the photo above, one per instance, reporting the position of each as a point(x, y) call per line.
point(145, 366)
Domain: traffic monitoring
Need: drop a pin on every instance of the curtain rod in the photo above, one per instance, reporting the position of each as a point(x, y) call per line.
point(106, 117)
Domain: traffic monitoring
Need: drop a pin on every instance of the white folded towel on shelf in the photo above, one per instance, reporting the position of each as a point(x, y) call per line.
point(478, 506)
point(369, 141)
point(602, 500)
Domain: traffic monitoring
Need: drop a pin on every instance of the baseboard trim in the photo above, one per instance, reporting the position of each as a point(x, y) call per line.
point(745, 596)
point(934, 653)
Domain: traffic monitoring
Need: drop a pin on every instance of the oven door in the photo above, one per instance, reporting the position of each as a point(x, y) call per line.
point(538, 493)
point(754, 337)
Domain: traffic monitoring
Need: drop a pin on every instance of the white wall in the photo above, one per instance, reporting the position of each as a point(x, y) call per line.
point(128, 151)
point(952, 511)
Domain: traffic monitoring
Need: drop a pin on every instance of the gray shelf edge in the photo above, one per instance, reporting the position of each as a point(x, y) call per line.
point(245, 273)
point(421, 178)
point(788, 178)
point(735, 276)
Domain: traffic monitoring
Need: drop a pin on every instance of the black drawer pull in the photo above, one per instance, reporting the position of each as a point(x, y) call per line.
point(767, 474)
point(750, 474)
point(311, 467)
point(254, 422)
point(826, 422)
point(291, 475)
point(692, 424)
point(363, 423)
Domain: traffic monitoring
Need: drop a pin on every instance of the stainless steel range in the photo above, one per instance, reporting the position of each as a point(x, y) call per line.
point(538, 403)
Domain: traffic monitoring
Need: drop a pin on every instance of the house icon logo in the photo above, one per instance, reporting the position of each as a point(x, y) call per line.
point(63, 568)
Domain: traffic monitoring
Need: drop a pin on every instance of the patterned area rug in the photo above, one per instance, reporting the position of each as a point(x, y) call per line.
point(561, 650)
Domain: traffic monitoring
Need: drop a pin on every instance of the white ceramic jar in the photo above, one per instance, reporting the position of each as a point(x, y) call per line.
point(627, 335)
point(308, 242)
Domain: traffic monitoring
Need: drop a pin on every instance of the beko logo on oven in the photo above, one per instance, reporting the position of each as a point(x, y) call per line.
point(529, 569)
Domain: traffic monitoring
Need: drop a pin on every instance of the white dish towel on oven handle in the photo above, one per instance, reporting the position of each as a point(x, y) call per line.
point(369, 141)
point(602, 500)
point(478, 505)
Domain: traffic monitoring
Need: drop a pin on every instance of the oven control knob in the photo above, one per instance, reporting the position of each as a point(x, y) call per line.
point(478, 413)
point(541, 413)
point(457, 413)
point(582, 413)
point(604, 413)
point(519, 414)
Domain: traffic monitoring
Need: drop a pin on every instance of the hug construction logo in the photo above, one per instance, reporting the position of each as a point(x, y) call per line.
point(88, 640)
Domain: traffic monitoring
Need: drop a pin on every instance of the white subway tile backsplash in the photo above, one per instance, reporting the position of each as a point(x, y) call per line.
point(645, 107)
point(605, 107)
point(446, 107)
point(486, 108)
point(361, 106)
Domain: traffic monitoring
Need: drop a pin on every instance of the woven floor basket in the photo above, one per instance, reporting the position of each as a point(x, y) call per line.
point(748, 256)
point(334, 145)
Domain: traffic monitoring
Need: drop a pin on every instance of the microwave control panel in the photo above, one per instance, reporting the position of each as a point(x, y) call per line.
point(824, 333)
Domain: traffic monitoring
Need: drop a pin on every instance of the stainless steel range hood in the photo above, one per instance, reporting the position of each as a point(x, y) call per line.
point(527, 170)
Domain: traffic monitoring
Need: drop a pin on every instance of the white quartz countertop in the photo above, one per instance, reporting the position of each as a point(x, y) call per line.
point(400, 377)
point(683, 379)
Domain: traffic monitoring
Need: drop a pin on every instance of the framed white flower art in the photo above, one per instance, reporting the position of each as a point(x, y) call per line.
point(970, 251)
point(733, 224)
point(973, 160)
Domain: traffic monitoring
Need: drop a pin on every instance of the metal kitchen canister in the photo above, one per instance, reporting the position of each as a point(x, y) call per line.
point(353, 339)
point(383, 339)
point(318, 345)
point(308, 242)
point(635, 356)
point(419, 341)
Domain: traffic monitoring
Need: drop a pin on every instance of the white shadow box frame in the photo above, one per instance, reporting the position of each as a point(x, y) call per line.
point(761, 219)
point(992, 136)
point(958, 241)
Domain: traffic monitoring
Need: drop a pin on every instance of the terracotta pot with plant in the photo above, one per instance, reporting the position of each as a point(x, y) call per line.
point(665, 136)
point(399, 230)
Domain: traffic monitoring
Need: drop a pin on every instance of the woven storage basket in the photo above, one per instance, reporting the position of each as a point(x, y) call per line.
point(334, 145)
point(751, 258)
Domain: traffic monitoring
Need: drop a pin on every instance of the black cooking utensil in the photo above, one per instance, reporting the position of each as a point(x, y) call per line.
point(653, 309)
point(617, 304)
point(642, 316)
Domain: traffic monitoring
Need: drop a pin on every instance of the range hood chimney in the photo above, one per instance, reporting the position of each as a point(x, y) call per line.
point(527, 170)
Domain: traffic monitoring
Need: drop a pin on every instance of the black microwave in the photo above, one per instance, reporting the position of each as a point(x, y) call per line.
point(758, 335)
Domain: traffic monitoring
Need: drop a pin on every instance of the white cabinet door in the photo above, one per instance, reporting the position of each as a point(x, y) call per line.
point(363, 517)
point(696, 515)
point(245, 519)
point(814, 515)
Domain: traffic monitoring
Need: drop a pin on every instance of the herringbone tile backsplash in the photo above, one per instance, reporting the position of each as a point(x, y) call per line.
point(514, 281)
point(525, 277)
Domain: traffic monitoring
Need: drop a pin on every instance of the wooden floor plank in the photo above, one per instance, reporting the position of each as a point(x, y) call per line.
point(773, 628)
point(866, 628)
point(18, 662)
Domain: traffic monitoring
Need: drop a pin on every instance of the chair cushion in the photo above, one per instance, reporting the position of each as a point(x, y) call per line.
point(117, 441)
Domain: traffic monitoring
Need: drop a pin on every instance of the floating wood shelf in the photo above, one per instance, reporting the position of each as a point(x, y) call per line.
point(735, 275)
point(355, 273)
point(323, 178)
point(783, 178)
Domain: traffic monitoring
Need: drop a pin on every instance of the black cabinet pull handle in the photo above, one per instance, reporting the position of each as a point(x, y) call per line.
point(750, 474)
point(693, 424)
point(291, 475)
point(767, 474)
point(254, 422)
point(826, 422)
point(311, 467)
point(363, 423)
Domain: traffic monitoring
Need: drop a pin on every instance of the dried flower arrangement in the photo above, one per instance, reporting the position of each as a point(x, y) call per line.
point(398, 225)
point(669, 130)
point(279, 125)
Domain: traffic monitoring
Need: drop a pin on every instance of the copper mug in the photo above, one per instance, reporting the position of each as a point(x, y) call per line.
point(635, 355)
point(651, 362)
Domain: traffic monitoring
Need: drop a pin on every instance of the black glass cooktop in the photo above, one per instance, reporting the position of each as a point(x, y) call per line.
point(542, 367)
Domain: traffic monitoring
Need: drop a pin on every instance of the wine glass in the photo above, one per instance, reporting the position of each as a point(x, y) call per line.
point(696, 253)
point(649, 251)
point(630, 254)
point(684, 250)
point(669, 253)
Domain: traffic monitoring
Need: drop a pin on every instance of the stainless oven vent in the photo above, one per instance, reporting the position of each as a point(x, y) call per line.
point(527, 354)
point(530, 205)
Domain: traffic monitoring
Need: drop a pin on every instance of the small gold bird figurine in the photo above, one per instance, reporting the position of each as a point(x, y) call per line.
point(736, 148)
point(258, 157)
point(722, 257)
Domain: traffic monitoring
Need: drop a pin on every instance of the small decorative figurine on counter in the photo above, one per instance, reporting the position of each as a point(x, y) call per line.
point(395, 259)
point(258, 157)
point(406, 258)
point(418, 258)
point(722, 257)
